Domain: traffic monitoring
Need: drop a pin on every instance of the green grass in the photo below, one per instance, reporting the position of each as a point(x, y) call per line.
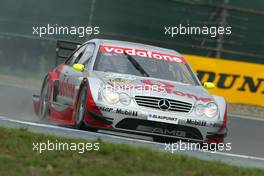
point(18, 158)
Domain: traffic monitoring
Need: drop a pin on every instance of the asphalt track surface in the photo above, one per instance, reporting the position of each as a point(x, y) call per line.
point(245, 134)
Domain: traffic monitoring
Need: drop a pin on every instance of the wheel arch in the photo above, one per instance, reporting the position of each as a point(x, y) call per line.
point(222, 105)
point(76, 99)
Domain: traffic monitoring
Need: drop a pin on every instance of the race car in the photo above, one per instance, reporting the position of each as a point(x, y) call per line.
point(132, 88)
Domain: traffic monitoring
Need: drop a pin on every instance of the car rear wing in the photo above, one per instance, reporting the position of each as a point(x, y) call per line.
point(64, 49)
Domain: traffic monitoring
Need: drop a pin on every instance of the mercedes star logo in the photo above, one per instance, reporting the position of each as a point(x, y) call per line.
point(164, 104)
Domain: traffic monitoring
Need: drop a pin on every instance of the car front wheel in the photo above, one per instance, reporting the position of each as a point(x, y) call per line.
point(80, 110)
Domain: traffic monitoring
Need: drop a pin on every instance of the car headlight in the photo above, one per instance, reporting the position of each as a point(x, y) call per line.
point(110, 97)
point(211, 110)
point(124, 99)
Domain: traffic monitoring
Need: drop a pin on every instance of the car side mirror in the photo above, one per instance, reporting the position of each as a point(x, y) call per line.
point(208, 85)
point(78, 67)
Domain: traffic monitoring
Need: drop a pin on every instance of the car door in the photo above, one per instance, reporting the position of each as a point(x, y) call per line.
point(76, 78)
point(71, 77)
point(66, 88)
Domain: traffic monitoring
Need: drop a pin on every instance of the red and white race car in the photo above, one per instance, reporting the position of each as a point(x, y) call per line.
point(133, 88)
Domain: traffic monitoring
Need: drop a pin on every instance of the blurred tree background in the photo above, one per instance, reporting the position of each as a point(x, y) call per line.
point(131, 20)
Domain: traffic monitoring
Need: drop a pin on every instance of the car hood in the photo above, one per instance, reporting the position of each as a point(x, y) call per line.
point(147, 86)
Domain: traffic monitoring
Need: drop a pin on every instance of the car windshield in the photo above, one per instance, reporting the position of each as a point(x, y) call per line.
point(143, 63)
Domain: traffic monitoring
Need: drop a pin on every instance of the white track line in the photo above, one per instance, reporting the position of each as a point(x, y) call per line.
point(72, 130)
point(128, 139)
point(240, 156)
point(246, 117)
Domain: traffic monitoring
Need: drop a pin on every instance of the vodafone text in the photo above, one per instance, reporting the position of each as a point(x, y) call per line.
point(141, 53)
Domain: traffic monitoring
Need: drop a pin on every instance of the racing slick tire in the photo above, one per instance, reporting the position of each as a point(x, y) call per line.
point(44, 99)
point(80, 110)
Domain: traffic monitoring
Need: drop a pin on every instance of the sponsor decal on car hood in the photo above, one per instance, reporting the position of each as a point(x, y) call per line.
point(136, 85)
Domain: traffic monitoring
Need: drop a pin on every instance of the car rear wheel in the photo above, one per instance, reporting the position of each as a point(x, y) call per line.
point(44, 99)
